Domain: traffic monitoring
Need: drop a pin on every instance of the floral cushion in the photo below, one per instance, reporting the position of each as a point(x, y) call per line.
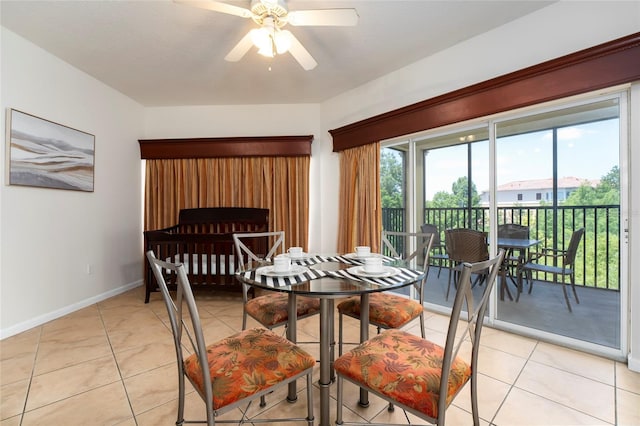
point(271, 309)
point(246, 363)
point(404, 367)
point(385, 309)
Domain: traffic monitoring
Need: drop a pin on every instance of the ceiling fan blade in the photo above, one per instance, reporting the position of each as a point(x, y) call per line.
point(217, 6)
point(300, 54)
point(323, 17)
point(241, 48)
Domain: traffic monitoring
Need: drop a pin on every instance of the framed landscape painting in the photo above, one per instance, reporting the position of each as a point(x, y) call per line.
point(47, 154)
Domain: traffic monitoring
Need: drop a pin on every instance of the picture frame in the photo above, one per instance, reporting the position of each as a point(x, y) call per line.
point(42, 153)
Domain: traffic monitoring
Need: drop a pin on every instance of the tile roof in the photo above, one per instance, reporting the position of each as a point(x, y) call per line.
point(564, 182)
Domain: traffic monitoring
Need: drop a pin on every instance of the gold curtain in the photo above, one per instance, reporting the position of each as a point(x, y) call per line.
point(360, 217)
point(280, 184)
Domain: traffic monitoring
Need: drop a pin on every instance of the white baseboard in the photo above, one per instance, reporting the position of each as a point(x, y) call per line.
point(34, 322)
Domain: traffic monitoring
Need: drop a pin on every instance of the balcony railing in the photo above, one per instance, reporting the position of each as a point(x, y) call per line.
point(598, 259)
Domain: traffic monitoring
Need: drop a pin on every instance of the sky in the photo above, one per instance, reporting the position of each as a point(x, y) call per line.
point(586, 151)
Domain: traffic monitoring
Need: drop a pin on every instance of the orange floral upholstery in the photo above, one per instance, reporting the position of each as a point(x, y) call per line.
point(269, 357)
point(404, 367)
point(271, 309)
point(385, 309)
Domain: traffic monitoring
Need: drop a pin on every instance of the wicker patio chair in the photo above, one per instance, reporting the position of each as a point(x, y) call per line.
point(465, 245)
point(438, 250)
point(513, 260)
point(557, 262)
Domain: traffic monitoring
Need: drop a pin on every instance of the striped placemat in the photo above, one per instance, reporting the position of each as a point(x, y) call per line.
point(403, 275)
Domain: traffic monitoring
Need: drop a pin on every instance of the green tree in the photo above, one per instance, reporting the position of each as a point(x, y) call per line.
point(606, 232)
point(458, 197)
point(442, 199)
point(606, 192)
point(391, 179)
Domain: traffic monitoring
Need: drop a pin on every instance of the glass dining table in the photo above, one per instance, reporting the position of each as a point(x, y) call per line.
point(329, 278)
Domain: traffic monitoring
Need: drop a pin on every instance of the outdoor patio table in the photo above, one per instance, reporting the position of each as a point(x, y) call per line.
point(510, 245)
point(329, 278)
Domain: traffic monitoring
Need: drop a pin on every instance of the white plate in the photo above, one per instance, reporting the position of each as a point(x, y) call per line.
point(355, 255)
point(304, 256)
point(269, 272)
point(387, 271)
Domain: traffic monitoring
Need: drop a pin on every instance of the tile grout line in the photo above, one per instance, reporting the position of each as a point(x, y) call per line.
point(115, 359)
point(33, 369)
point(513, 385)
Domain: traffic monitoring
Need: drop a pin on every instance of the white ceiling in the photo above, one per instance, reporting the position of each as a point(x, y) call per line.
point(161, 53)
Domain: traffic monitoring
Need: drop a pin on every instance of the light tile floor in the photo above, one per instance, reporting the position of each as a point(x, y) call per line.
point(113, 363)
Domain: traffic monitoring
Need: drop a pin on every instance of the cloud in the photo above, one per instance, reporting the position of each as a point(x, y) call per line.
point(570, 133)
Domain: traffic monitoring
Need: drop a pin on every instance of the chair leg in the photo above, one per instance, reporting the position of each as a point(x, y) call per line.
point(244, 319)
point(181, 390)
point(449, 284)
point(573, 287)
point(339, 397)
point(422, 331)
point(339, 334)
point(310, 418)
point(564, 290)
point(474, 400)
point(519, 284)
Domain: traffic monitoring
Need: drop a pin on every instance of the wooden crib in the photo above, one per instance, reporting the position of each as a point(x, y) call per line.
point(203, 241)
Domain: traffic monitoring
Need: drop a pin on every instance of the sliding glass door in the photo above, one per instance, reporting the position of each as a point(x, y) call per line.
point(558, 172)
point(555, 170)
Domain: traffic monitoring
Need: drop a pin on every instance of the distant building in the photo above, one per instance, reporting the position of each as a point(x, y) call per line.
point(533, 192)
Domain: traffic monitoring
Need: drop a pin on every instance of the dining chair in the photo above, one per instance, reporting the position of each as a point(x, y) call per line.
point(512, 261)
point(465, 245)
point(415, 374)
point(232, 372)
point(557, 262)
point(270, 309)
point(438, 250)
point(388, 310)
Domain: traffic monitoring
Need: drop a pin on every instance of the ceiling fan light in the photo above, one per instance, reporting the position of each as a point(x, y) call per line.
point(282, 41)
point(266, 51)
point(261, 38)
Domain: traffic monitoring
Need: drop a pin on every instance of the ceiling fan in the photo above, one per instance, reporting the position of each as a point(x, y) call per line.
point(272, 15)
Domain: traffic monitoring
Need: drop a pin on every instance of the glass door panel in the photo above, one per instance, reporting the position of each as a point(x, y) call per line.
point(556, 173)
point(456, 171)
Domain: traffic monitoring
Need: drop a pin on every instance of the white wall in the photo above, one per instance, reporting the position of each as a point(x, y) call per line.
point(49, 236)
